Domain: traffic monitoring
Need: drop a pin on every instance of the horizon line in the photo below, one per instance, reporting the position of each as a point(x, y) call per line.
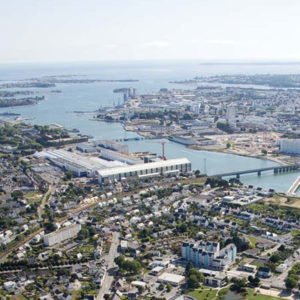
point(246, 61)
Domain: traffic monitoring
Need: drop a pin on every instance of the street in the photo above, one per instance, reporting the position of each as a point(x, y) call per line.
point(108, 278)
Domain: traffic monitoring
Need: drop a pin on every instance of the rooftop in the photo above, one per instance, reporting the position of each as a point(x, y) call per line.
point(152, 165)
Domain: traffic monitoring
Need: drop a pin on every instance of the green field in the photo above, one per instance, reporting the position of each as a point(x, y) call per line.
point(251, 296)
point(213, 294)
point(204, 294)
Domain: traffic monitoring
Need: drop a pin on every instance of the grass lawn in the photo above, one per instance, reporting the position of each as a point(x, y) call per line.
point(33, 197)
point(76, 295)
point(252, 240)
point(212, 294)
point(208, 293)
point(251, 296)
point(205, 294)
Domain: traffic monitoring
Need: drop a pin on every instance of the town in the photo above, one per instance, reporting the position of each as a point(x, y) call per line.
point(88, 219)
point(199, 117)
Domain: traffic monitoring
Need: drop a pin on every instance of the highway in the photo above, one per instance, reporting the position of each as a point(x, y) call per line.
point(108, 278)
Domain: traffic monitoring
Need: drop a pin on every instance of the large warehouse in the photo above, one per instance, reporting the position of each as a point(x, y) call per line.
point(78, 164)
point(163, 167)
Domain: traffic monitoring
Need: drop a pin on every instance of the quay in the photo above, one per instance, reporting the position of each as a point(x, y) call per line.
point(276, 170)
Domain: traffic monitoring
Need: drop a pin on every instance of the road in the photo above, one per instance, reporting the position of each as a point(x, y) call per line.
point(269, 252)
point(44, 201)
point(109, 277)
point(278, 281)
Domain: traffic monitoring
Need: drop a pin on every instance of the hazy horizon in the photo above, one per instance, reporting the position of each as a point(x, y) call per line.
point(139, 30)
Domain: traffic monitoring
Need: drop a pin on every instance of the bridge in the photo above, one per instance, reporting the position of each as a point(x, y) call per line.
point(294, 187)
point(276, 170)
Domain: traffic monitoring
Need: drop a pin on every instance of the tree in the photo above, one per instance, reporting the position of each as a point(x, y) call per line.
point(193, 282)
point(83, 233)
point(130, 267)
point(239, 285)
point(181, 227)
point(224, 127)
point(240, 243)
point(169, 288)
point(49, 227)
point(216, 182)
point(17, 194)
point(290, 282)
point(188, 267)
point(264, 152)
point(275, 258)
point(68, 175)
point(254, 281)
point(233, 181)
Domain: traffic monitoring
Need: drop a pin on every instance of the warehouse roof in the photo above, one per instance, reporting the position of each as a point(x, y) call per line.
point(174, 279)
point(79, 160)
point(140, 167)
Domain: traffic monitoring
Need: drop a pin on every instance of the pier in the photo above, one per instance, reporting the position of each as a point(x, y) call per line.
point(294, 187)
point(276, 170)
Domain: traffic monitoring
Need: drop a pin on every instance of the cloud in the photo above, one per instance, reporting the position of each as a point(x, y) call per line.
point(111, 46)
point(227, 42)
point(156, 44)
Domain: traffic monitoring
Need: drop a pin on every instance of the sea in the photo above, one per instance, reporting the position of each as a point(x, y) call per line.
point(62, 108)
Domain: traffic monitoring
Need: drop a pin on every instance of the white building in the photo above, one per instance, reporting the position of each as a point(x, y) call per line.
point(209, 255)
point(118, 156)
point(163, 167)
point(80, 165)
point(9, 286)
point(171, 278)
point(231, 114)
point(290, 146)
point(61, 235)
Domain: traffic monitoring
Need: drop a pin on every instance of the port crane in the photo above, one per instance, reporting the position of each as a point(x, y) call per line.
point(162, 142)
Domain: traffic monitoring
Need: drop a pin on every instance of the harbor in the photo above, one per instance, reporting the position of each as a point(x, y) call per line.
point(81, 97)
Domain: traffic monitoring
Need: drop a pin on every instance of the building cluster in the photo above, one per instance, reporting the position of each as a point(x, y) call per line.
point(114, 166)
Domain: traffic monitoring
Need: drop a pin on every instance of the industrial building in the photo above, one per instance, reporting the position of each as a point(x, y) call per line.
point(152, 169)
point(61, 235)
point(122, 157)
point(113, 145)
point(79, 165)
point(290, 146)
point(209, 255)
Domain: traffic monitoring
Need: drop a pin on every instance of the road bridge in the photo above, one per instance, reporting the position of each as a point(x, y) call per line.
point(276, 170)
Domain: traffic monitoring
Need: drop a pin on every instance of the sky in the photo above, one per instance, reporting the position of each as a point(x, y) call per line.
point(113, 30)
